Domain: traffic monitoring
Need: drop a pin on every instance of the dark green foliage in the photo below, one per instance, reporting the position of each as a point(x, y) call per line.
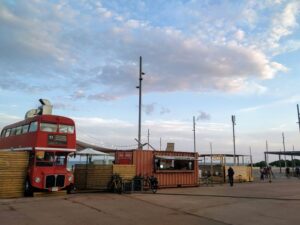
point(289, 163)
point(278, 163)
point(260, 164)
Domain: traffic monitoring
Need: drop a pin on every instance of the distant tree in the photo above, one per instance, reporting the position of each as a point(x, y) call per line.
point(260, 164)
point(289, 163)
point(279, 163)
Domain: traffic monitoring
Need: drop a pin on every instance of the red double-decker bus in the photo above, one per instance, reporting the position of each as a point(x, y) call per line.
point(49, 140)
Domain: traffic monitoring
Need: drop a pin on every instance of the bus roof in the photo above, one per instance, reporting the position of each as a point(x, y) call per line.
point(45, 118)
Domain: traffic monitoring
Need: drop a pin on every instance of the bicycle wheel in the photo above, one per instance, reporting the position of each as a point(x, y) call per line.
point(119, 187)
point(154, 188)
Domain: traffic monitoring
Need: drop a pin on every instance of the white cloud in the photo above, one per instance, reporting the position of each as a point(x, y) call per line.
point(93, 44)
point(6, 119)
point(287, 100)
point(284, 23)
point(239, 35)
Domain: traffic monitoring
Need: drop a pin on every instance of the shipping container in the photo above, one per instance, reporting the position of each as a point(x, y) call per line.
point(172, 169)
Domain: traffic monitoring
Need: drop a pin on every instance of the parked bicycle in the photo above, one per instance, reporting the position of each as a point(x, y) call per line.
point(151, 182)
point(115, 184)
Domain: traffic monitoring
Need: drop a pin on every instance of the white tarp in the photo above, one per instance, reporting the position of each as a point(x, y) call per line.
point(91, 152)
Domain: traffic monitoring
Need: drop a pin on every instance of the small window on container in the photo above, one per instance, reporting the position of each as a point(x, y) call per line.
point(66, 129)
point(48, 127)
point(25, 128)
point(7, 133)
point(18, 130)
point(33, 126)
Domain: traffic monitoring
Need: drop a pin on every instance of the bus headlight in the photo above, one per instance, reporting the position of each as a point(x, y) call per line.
point(71, 178)
point(37, 180)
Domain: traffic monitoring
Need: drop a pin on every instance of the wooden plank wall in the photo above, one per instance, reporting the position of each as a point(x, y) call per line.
point(241, 173)
point(92, 177)
point(127, 172)
point(13, 170)
point(96, 177)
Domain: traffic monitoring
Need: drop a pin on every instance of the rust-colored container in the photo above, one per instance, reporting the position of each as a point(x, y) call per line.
point(173, 169)
point(123, 157)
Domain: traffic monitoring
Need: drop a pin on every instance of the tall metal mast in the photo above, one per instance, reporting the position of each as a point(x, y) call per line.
point(194, 130)
point(140, 104)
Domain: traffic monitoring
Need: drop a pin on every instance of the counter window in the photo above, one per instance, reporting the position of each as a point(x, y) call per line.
point(173, 164)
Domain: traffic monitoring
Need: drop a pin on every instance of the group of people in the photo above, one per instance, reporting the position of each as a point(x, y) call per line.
point(296, 172)
point(266, 173)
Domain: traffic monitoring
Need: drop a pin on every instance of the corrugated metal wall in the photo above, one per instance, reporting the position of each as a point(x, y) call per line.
point(143, 161)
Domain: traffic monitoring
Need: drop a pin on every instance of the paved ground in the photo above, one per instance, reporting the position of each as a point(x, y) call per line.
point(248, 203)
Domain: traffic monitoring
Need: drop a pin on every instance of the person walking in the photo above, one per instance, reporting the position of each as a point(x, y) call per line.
point(230, 172)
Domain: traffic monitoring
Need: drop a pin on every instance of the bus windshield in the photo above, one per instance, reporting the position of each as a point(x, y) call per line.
point(50, 158)
point(52, 127)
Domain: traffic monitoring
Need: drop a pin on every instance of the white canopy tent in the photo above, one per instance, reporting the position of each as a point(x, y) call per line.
point(89, 153)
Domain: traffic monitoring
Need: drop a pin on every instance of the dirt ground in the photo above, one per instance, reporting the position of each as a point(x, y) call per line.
point(247, 203)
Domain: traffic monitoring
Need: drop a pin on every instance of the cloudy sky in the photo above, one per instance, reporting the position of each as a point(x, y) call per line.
point(208, 59)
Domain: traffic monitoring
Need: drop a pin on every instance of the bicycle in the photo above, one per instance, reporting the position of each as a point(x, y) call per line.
point(115, 185)
point(152, 183)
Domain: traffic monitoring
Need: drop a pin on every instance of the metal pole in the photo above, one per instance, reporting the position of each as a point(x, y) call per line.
point(298, 116)
point(233, 133)
point(280, 162)
point(267, 155)
point(283, 142)
point(194, 130)
point(211, 159)
point(293, 160)
point(148, 139)
point(251, 164)
point(159, 144)
point(140, 104)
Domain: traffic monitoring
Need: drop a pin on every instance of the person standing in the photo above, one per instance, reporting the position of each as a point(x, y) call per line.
point(262, 174)
point(230, 172)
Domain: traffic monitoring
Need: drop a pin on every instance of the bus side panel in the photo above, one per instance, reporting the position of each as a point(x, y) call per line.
point(19, 141)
